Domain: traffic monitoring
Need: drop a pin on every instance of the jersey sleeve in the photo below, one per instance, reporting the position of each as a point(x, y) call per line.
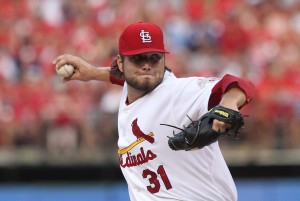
point(190, 98)
point(228, 82)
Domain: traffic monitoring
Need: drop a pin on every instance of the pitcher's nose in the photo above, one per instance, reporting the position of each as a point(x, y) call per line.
point(146, 66)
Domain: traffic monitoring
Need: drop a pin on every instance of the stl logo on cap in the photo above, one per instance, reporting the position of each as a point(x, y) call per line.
point(141, 37)
point(145, 36)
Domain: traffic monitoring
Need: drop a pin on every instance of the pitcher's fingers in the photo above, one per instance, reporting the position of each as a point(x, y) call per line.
point(219, 126)
point(62, 60)
point(66, 79)
point(57, 59)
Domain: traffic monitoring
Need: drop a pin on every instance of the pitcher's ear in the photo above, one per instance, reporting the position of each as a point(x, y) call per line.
point(120, 63)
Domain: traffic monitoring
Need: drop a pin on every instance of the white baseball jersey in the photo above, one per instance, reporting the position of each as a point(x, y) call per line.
point(152, 170)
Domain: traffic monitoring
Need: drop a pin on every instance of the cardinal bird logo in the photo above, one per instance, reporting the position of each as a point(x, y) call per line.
point(139, 133)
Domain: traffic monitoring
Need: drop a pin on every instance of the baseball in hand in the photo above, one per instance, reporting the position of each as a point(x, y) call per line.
point(65, 71)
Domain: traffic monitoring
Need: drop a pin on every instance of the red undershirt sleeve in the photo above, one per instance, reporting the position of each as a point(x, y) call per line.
point(116, 81)
point(228, 82)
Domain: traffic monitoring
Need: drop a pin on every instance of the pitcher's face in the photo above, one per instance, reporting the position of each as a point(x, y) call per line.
point(144, 72)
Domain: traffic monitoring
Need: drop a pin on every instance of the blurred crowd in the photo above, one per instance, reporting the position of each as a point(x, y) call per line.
point(256, 39)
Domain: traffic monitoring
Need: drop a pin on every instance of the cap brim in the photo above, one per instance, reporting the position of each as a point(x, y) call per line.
point(144, 50)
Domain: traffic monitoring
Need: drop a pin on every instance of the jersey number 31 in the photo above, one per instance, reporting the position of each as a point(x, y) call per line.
point(154, 186)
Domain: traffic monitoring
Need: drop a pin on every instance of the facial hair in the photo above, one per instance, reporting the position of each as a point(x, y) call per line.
point(145, 86)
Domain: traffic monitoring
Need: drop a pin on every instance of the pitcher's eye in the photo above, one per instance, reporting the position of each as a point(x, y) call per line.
point(154, 58)
point(137, 59)
point(141, 59)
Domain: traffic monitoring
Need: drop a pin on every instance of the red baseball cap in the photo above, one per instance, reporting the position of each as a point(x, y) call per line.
point(140, 38)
